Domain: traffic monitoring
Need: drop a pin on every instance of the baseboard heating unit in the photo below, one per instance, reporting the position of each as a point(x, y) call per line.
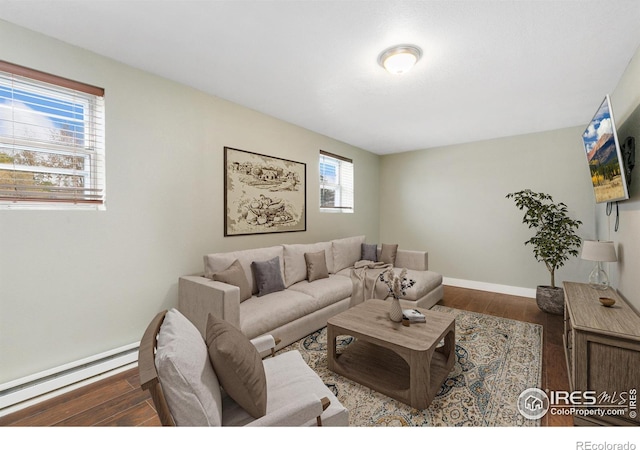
point(16, 392)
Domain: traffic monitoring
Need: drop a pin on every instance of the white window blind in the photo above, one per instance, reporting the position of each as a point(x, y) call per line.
point(51, 140)
point(336, 183)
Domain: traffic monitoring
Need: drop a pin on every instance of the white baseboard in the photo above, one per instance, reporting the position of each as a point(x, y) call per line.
point(23, 392)
point(490, 287)
point(49, 395)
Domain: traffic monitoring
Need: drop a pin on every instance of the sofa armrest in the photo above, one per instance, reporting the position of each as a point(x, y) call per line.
point(412, 259)
point(198, 296)
point(300, 411)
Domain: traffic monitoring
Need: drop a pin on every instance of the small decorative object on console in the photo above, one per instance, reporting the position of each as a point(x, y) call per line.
point(606, 301)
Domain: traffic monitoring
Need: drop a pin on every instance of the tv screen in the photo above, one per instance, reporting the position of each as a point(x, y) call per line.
point(604, 156)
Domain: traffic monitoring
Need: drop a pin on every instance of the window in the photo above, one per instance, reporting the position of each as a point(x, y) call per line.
point(51, 141)
point(336, 183)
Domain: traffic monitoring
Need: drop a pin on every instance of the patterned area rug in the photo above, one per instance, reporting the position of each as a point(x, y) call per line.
point(496, 359)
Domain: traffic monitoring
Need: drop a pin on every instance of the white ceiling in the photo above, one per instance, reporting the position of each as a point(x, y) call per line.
point(489, 69)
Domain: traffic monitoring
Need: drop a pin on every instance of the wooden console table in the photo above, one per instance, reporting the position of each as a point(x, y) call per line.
point(602, 348)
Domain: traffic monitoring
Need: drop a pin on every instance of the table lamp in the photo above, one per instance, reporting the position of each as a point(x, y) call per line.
point(599, 251)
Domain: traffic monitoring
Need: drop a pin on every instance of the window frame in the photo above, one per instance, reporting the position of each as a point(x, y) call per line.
point(343, 188)
point(82, 145)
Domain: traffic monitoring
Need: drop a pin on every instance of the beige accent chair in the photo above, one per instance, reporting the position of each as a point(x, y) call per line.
point(174, 367)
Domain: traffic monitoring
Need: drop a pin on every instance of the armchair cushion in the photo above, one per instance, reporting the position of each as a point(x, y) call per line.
point(238, 366)
point(299, 412)
point(234, 274)
point(294, 393)
point(189, 383)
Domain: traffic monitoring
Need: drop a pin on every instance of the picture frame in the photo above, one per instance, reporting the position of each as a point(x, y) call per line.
point(263, 194)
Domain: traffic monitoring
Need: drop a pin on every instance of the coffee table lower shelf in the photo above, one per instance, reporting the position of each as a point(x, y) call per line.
point(385, 371)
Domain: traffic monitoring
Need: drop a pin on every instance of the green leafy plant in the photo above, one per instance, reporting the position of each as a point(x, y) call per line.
point(555, 238)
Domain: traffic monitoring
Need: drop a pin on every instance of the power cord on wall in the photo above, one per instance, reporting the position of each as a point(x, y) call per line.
point(609, 209)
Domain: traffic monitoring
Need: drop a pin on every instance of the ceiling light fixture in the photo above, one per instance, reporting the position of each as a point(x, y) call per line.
point(399, 58)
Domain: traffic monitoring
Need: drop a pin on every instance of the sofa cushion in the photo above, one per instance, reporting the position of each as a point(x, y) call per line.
point(295, 267)
point(215, 262)
point(426, 281)
point(268, 276)
point(260, 315)
point(388, 253)
point(316, 266)
point(346, 252)
point(369, 252)
point(326, 291)
point(238, 366)
point(234, 274)
point(188, 380)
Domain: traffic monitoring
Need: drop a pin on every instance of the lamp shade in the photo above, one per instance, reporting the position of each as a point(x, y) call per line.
point(599, 251)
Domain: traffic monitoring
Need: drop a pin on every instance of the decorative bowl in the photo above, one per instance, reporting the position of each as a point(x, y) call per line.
point(606, 301)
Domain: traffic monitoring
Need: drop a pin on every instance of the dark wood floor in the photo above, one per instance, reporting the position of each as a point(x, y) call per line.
point(119, 401)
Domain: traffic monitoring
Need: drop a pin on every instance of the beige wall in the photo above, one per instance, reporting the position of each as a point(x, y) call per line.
point(451, 202)
point(625, 102)
point(77, 283)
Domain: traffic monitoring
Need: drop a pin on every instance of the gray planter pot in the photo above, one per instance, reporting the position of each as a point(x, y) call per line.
point(550, 299)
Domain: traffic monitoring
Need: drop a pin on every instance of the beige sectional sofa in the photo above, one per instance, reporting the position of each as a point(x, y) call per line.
point(302, 306)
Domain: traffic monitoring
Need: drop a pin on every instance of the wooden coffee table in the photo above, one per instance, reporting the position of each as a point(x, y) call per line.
point(402, 362)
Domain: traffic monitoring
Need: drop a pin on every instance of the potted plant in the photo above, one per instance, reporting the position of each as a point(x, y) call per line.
point(555, 240)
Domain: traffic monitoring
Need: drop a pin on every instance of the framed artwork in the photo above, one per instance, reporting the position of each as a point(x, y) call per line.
point(263, 194)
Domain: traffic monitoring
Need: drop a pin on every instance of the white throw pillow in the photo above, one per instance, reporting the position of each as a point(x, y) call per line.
point(188, 381)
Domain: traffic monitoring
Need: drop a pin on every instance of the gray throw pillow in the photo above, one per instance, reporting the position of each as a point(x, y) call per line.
point(388, 253)
point(316, 266)
point(234, 274)
point(369, 252)
point(268, 276)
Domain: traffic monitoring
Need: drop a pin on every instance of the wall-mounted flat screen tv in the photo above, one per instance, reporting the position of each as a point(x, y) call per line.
point(604, 156)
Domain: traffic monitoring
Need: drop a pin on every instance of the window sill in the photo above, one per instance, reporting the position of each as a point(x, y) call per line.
point(7, 206)
point(336, 210)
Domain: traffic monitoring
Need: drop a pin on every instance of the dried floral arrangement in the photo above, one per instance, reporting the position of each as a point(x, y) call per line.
point(397, 283)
